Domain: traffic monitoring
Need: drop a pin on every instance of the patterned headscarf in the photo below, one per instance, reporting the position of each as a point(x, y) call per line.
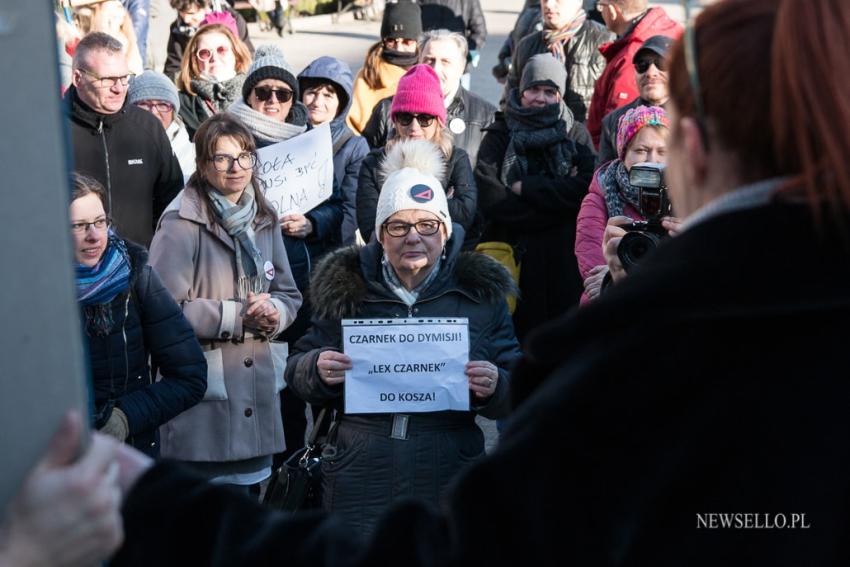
point(635, 119)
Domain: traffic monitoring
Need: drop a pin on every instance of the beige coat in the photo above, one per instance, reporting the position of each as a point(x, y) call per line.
point(239, 417)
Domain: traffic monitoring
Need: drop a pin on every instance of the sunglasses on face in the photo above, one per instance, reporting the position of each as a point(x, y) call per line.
point(206, 54)
point(265, 93)
point(406, 118)
point(642, 66)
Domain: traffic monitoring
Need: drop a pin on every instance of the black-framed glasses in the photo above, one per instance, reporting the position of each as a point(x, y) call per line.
point(398, 229)
point(265, 93)
point(108, 82)
point(690, 45)
point(159, 106)
point(224, 162)
point(99, 225)
point(206, 54)
point(642, 65)
point(406, 118)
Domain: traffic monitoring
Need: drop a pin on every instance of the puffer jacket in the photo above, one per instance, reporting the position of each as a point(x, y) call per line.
point(365, 476)
point(459, 180)
point(181, 34)
point(351, 148)
point(462, 16)
point(466, 117)
point(616, 86)
point(146, 323)
point(583, 62)
point(239, 417)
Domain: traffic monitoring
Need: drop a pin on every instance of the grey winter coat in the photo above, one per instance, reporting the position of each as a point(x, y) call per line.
point(239, 417)
point(364, 476)
point(584, 63)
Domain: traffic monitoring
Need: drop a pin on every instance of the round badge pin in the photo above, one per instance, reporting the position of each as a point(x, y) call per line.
point(457, 126)
point(421, 193)
point(268, 268)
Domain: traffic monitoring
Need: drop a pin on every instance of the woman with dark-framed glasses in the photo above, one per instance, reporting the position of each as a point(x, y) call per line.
point(220, 253)
point(129, 317)
point(418, 112)
point(413, 268)
point(211, 74)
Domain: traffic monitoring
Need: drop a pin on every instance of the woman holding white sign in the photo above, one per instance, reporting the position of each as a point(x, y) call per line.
point(415, 269)
point(219, 252)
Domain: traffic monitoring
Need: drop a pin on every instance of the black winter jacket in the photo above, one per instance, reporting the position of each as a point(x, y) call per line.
point(584, 63)
point(130, 154)
point(541, 222)
point(474, 114)
point(462, 204)
point(146, 322)
point(462, 16)
point(181, 34)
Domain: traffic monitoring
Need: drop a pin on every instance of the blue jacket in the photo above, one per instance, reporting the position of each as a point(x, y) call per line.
point(146, 322)
point(349, 148)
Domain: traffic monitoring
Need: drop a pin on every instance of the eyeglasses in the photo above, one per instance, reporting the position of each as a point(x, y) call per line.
point(642, 65)
point(108, 82)
point(161, 107)
point(206, 54)
point(406, 118)
point(398, 229)
point(99, 225)
point(265, 93)
point(690, 45)
point(224, 162)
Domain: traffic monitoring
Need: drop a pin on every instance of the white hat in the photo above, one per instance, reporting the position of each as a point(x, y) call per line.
point(412, 171)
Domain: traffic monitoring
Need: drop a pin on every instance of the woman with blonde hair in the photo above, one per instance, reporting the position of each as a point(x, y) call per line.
point(110, 16)
point(211, 74)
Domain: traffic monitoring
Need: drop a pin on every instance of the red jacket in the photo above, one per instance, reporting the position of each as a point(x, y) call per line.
point(616, 85)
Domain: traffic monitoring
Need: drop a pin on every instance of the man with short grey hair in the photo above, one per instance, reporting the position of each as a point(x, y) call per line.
point(120, 145)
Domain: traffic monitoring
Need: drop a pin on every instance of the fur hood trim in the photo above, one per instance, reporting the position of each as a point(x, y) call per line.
point(338, 287)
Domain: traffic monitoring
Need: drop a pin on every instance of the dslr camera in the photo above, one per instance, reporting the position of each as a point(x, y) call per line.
point(643, 236)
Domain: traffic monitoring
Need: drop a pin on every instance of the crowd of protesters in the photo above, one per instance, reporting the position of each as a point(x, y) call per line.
point(218, 347)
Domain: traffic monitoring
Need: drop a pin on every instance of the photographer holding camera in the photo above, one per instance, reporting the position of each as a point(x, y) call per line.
point(627, 196)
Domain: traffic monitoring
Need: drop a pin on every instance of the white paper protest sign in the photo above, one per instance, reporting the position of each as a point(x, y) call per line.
point(406, 365)
point(296, 175)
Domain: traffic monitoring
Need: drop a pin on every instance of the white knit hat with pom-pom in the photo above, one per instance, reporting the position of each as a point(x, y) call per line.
point(412, 170)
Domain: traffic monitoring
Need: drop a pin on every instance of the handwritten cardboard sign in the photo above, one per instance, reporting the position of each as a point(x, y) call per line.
point(297, 174)
point(406, 365)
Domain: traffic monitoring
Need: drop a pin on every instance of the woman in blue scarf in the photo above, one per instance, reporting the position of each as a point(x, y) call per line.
point(130, 317)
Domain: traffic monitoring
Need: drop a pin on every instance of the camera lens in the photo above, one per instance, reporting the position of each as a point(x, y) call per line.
point(634, 246)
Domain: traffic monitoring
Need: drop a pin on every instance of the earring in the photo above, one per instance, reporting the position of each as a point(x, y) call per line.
point(384, 260)
point(444, 253)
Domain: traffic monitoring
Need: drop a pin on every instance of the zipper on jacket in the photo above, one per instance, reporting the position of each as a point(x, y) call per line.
point(108, 174)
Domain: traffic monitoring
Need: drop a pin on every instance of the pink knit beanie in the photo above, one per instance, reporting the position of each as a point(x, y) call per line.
point(635, 119)
point(419, 92)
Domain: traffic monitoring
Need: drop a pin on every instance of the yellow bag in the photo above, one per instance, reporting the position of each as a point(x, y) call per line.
point(503, 253)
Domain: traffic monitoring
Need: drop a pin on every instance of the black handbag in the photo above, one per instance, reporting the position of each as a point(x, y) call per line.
point(296, 485)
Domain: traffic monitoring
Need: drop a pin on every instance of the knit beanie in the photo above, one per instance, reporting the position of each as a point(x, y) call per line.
point(411, 171)
point(419, 91)
point(151, 85)
point(635, 119)
point(224, 18)
point(543, 68)
point(402, 20)
point(269, 64)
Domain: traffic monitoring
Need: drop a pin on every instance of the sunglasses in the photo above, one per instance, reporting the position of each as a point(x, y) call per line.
point(206, 54)
point(265, 93)
point(406, 119)
point(642, 65)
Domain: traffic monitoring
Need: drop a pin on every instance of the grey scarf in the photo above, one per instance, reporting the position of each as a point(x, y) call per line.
point(393, 283)
point(618, 191)
point(236, 220)
point(267, 130)
point(219, 94)
point(539, 129)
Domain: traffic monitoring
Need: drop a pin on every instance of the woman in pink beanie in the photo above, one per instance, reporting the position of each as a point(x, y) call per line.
point(641, 137)
point(418, 112)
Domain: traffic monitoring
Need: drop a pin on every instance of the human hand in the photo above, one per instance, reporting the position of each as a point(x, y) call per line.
point(332, 365)
point(296, 225)
point(672, 225)
point(483, 377)
point(593, 282)
point(610, 241)
point(516, 188)
point(261, 313)
point(66, 513)
point(116, 426)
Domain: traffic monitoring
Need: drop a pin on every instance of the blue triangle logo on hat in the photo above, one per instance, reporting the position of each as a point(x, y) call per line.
point(421, 193)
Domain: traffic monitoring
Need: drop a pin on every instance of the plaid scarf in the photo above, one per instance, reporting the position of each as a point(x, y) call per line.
point(557, 39)
point(618, 190)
